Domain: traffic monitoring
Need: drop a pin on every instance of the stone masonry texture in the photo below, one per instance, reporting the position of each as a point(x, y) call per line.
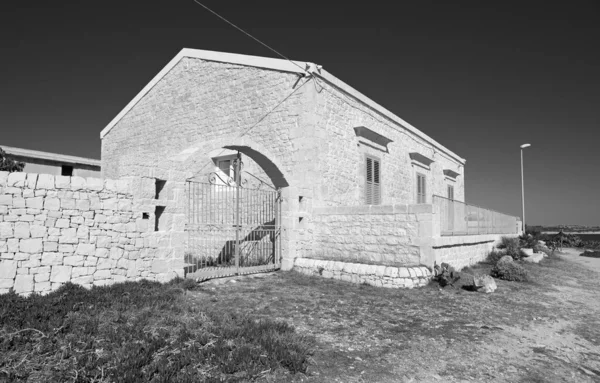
point(56, 229)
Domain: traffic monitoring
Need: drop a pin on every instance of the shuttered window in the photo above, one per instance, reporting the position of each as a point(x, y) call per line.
point(451, 192)
point(373, 187)
point(421, 190)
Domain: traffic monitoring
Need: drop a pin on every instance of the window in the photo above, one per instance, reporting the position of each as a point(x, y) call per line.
point(225, 167)
point(451, 192)
point(373, 186)
point(421, 188)
point(66, 170)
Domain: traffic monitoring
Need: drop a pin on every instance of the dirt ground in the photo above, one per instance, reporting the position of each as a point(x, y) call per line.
point(544, 330)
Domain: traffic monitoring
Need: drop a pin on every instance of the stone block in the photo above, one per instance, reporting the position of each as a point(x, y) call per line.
point(35, 202)
point(78, 183)
point(116, 252)
point(32, 262)
point(8, 269)
point(38, 231)
point(85, 249)
point(52, 204)
point(31, 180)
point(51, 259)
point(50, 246)
point(123, 186)
point(31, 246)
point(13, 245)
point(62, 223)
point(45, 181)
point(90, 261)
point(6, 200)
point(74, 260)
point(16, 179)
point(83, 205)
point(6, 284)
point(41, 277)
point(22, 256)
point(3, 246)
point(66, 249)
point(6, 230)
point(83, 232)
point(102, 253)
point(84, 281)
point(68, 236)
point(68, 204)
point(95, 184)
point(110, 204)
point(23, 284)
point(60, 274)
point(101, 274)
point(159, 266)
point(43, 287)
point(63, 182)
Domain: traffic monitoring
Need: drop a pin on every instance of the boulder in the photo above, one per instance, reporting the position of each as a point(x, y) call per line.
point(506, 258)
point(527, 252)
point(535, 258)
point(484, 283)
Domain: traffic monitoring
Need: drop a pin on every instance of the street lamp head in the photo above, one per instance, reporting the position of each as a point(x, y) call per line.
point(525, 146)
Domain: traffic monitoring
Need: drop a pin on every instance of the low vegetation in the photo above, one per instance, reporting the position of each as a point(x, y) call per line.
point(8, 164)
point(509, 271)
point(139, 332)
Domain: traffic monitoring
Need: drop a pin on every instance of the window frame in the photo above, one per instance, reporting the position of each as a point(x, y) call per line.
point(423, 188)
point(376, 192)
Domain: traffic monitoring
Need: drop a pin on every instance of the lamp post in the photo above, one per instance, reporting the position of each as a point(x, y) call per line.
point(523, 185)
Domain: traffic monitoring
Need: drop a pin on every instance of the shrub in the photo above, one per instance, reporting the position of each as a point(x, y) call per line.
point(512, 247)
point(495, 256)
point(509, 271)
point(7, 164)
point(528, 241)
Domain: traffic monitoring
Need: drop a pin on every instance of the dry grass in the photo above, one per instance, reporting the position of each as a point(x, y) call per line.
point(546, 329)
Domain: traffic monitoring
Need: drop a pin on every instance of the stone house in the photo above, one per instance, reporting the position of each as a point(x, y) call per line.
point(357, 182)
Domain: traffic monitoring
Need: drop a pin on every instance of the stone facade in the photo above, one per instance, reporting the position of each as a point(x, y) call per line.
point(55, 229)
point(296, 128)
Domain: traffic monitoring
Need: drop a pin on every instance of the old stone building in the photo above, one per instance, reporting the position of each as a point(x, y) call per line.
point(345, 166)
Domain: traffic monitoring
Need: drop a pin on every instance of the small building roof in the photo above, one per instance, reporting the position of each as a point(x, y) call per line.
point(50, 156)
point(279, 65)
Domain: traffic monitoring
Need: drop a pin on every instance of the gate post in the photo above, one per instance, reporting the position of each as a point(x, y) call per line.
point(237, 173)
point(289, 209)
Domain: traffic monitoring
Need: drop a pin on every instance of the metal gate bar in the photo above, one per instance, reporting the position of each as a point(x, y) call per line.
point(231, 229)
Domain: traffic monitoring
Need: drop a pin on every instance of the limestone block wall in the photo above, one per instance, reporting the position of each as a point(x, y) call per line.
point(374, 275)
point(466, 250)
point(392, 235)
point(55, 229)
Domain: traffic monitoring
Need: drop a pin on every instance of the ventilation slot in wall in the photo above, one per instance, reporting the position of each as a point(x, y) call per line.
point(157, 214)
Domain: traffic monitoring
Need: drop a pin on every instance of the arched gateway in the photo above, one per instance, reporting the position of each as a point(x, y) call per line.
point(234, 215)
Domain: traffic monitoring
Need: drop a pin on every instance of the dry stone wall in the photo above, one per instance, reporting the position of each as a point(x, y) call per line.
point(55, 229)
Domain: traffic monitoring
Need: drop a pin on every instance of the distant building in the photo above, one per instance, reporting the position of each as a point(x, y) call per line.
point(55, 164)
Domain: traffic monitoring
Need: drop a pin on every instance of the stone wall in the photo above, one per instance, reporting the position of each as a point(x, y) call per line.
point(55, 229)
point(392, 235)
point(374, 275)
point(466, 250)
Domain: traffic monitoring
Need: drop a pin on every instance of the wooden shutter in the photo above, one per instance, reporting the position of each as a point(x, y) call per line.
point(450, 192)
point(373, 184)
point(421, 192)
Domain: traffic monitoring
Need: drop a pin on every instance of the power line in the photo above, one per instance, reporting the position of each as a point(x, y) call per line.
point(247, 34)
point(258, 121)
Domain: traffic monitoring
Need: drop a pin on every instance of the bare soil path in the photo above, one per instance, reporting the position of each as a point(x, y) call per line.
point(545, 330)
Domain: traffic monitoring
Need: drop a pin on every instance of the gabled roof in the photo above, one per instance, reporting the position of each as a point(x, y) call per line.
point(278, 65)
point(62, 158)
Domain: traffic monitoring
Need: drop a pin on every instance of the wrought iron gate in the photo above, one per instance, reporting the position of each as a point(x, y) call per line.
point(233, 225)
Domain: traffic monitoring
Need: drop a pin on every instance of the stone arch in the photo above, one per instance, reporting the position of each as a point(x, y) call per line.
point(193, 155)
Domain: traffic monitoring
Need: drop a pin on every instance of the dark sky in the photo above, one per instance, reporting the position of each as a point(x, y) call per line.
point(482, 78)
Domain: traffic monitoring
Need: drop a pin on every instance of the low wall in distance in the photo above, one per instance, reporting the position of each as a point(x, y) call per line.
point(56, 229)
point(465, 250)
point(374, 275)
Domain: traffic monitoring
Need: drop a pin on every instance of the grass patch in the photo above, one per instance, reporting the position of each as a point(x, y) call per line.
point(140, 332)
